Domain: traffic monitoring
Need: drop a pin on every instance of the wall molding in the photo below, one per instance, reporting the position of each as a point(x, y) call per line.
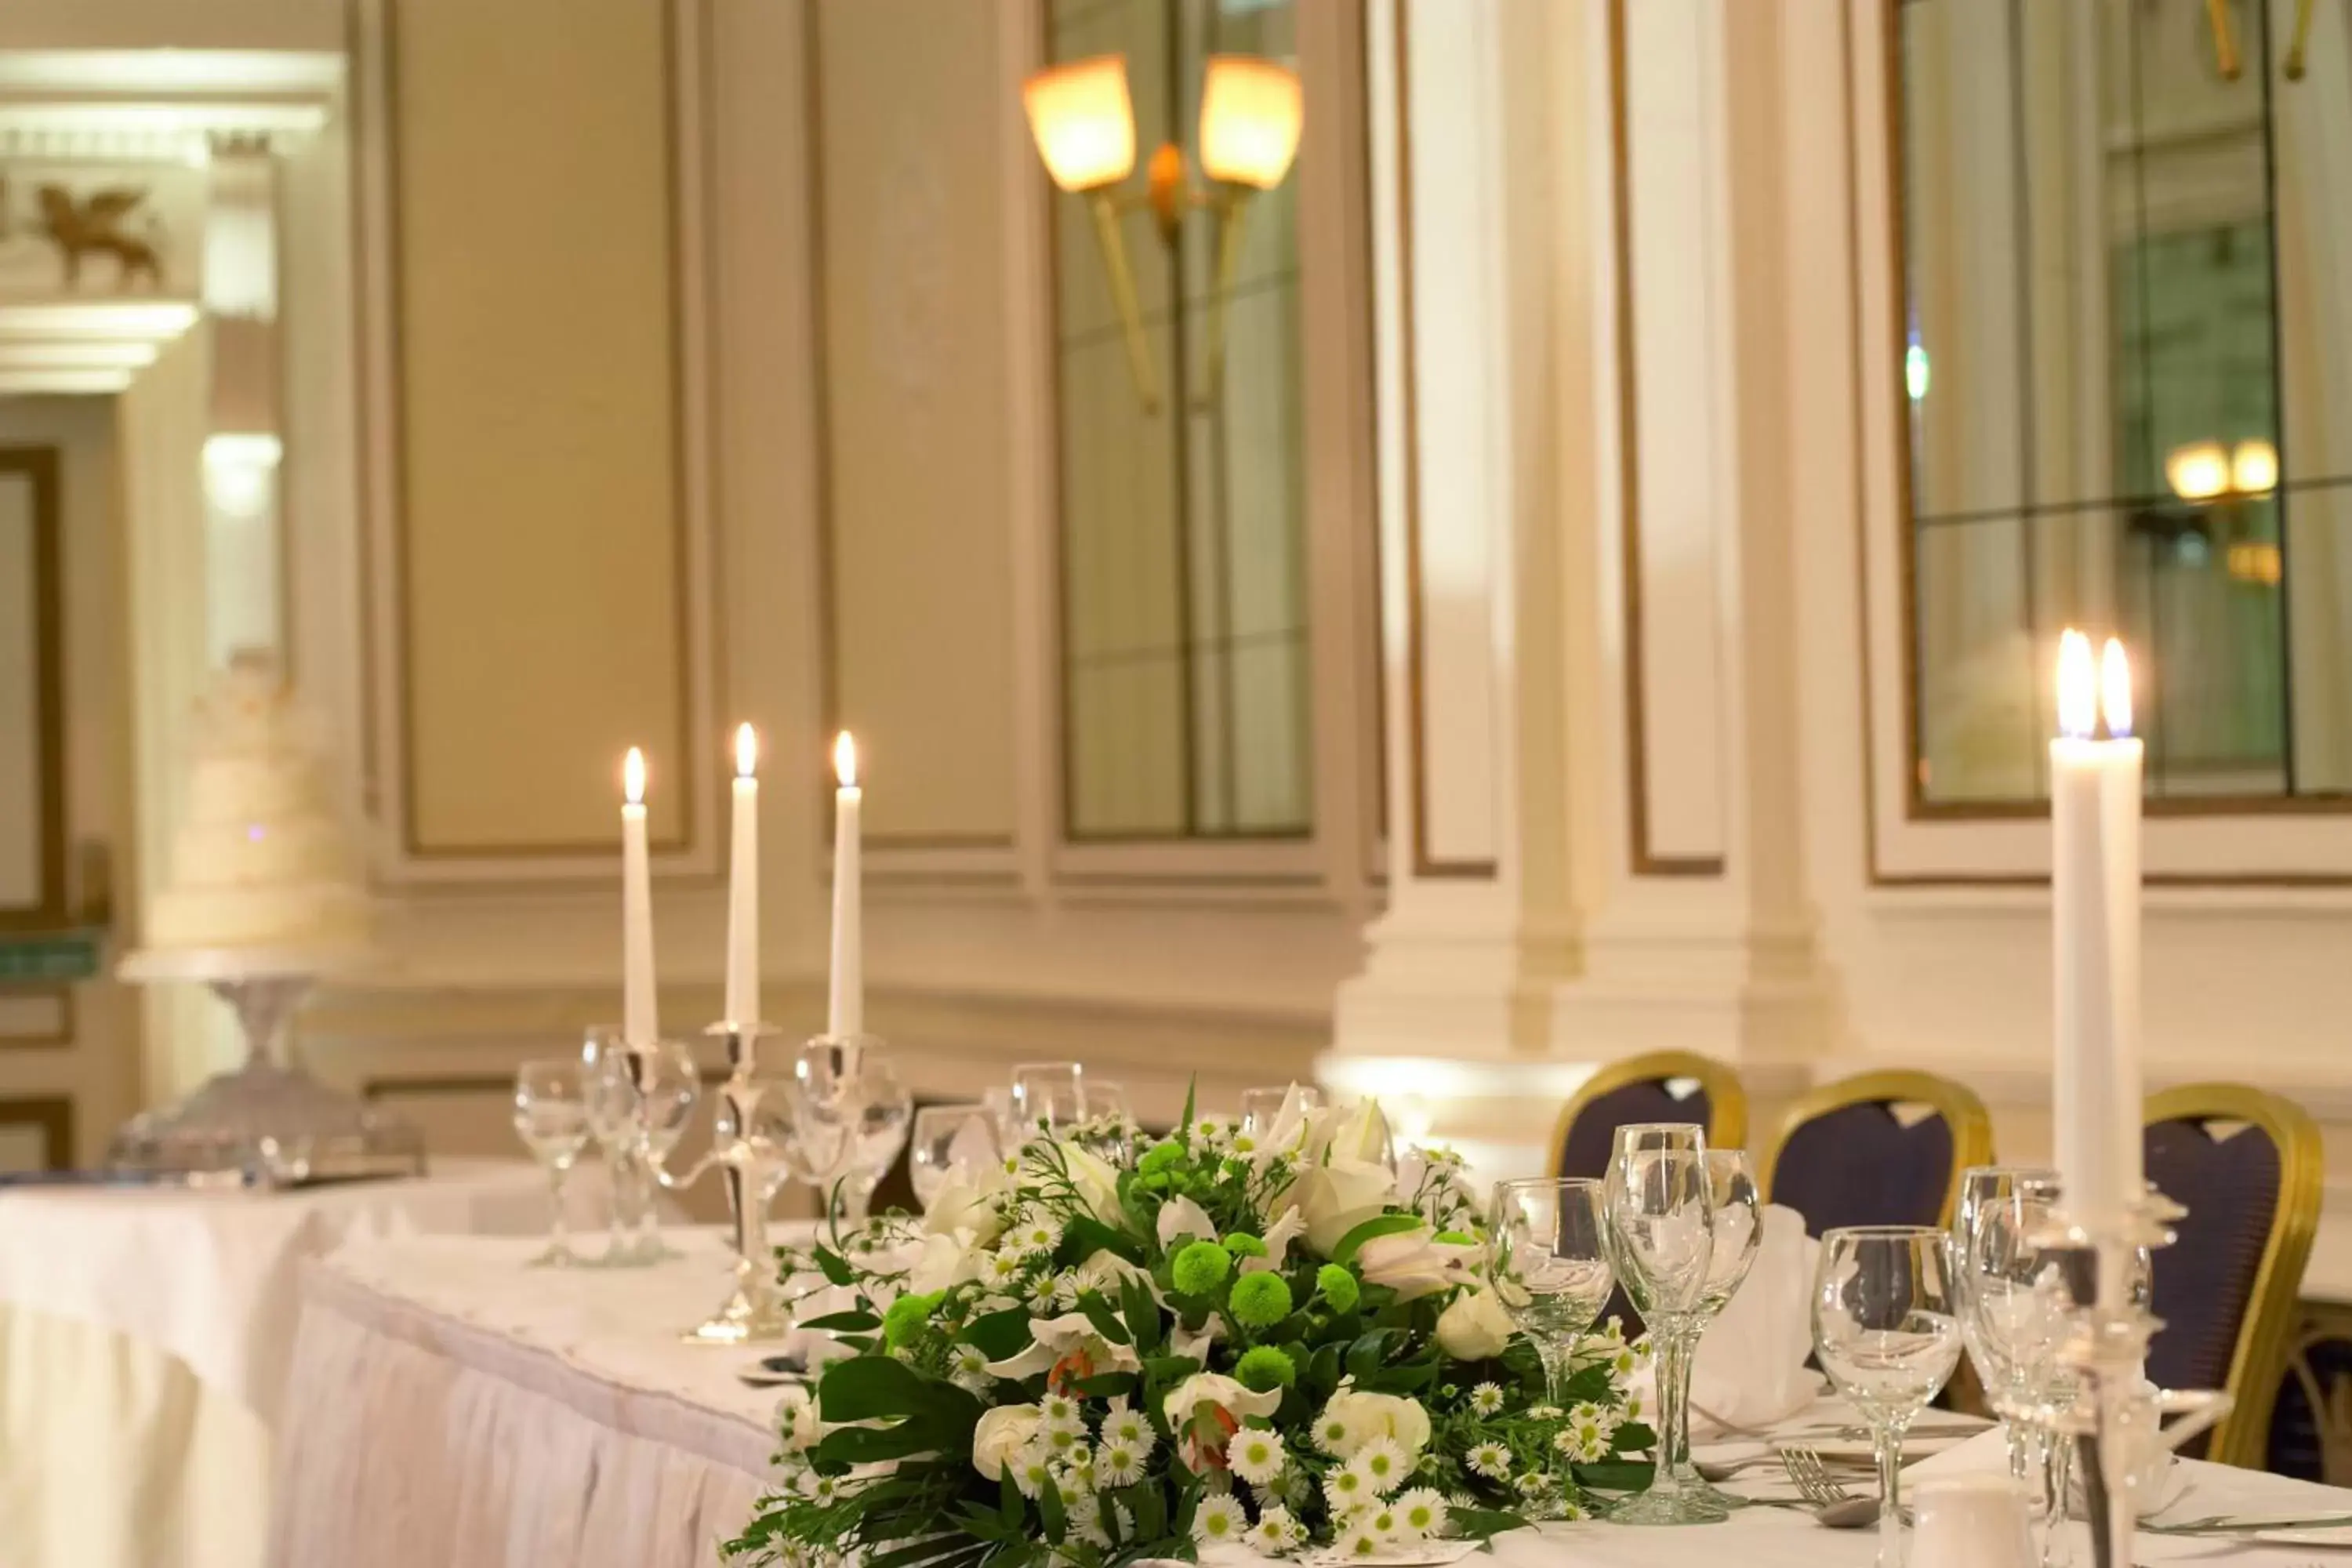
point(53, 1115)
point(37, 466)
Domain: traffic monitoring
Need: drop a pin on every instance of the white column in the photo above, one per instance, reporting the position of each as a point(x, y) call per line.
point(245, 558)
point(1595, 844)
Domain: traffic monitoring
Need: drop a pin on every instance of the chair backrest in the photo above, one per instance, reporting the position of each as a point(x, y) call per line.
point(2246, 1165)
point(1664, 1086)
point(1883, 1147)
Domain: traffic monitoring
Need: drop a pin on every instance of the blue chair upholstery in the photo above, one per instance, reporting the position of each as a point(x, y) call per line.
point(2205, 1279)
point(1591, 1135)
point(1845, 1158)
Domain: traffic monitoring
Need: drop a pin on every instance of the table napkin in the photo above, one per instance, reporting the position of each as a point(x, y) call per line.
point(1750, 1368)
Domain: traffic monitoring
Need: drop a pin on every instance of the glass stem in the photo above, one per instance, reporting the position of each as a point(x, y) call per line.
point(2058, 1478)
point(1674, 1403)
point(616, 1167)
point(1889, 1444)
point(558, 1235)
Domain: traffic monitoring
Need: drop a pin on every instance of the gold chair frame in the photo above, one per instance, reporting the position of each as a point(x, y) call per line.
point(2258, 1365)
point(1727, 1100)
point(1963, 1111)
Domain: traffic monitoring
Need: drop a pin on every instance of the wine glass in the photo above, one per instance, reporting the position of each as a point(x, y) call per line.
point(1661, 1208)
point(847, 1107)
point(1994, 1301)
point(615, 1121)
point(1262, 1108)
point(950, 1144)
point(550, 1113)
point(1046, 1098)
point(668, 1087)
point(1738, 1226)
point(1547, 1264)
point(884, 1111)
point(1886, 1330)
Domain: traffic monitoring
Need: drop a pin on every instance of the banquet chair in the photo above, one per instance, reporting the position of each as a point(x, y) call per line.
point(2246, 1165)
point(1882, 1148)
point(1664, 1086)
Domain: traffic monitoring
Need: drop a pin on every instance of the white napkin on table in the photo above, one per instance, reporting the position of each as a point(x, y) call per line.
point(1750, 1368)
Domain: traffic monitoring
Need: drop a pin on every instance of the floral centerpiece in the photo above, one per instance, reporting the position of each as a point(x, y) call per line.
point(1108, 1350)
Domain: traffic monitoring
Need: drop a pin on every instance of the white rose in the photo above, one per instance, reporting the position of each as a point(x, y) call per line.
point(944, 1261)
point(1214, 1389)
point(1414, 1264)
point(1182, 1217)
point(1098, 1184)
point(1336, 1197)
point(1004, 1431)
point(1475, 1327)
point(968, 1207)
point(1369, 1415)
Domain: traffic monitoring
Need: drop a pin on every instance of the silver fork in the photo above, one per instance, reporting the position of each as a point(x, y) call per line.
point(1812, 1478)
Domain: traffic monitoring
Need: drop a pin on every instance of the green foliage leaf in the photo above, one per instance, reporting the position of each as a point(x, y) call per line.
point(867, 1388)
point(1482, 1523)
point(1106, 1385)
point(1378, 1225)
point(1614, 1475)
point(1168, 1369)
point(1364, 1357)
point(1143, 1321)
point(1087, 1235)
point(835, 1267)
point(1149, 1505)
point(1633, 1438)
point(1056, 1517)
point(843, 1324)
point(1106, 1322)
point(998, 1335)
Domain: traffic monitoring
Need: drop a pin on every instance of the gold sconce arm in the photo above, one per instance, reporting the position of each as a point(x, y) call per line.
point(1104, 206)
point(2225, 40)
point(2297, 50)
point(1232, 208)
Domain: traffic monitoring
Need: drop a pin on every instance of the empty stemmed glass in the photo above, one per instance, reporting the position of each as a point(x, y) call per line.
point(1547, 1263)
point(1738, 1226)
point(2011, 1326)
point(550, 1113)
point(1262, 1108)
point(666, 1086)
point(1886, 1330)
point(849, 1116)
point(950, 1144)
point(1661, 1231)
point(1047, 1096)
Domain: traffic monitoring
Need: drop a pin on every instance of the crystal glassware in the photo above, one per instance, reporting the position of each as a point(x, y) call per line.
point(887, 1112)
point(1737, 1228)
point(1886, 1330)
point(551, 1114)
point(1661, 1209)
point(1547, 1264)
point(849, 1116)
point(1261, 1107)
point(950, 1144)
point(2001, 1324)
point(668, 1086)
point(1046, 1097)
point(615, 1121)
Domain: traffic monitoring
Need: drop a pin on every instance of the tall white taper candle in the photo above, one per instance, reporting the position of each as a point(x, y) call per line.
point(639, 1025)
point(845, 1014)
point(743, 886)
point(2094, 810)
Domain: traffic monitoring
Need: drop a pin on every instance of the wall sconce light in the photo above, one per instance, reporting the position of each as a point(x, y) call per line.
point(1083, 121)
point(2206, 470)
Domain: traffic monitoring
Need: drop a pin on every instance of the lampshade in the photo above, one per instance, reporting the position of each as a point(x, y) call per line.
point(2199, 471)
point(1083, 121)
point(2253, 468)
point(1250, 115)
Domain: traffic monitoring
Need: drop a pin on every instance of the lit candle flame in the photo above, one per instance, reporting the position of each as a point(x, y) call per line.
point(2078, 687)
point(844, 760)
point(633, 778)
point(747, 751)
point(2115, 689)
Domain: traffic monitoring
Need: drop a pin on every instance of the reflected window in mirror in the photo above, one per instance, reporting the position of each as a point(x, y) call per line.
point(2126, 240)
point(1186, 673)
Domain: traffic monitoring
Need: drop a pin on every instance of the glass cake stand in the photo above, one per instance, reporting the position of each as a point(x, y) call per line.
point(268, 1123)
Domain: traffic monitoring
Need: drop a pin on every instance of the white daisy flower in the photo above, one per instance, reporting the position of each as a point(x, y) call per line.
point(1545, 1413)
point(1130, 1427)
point(1572, 1510)
point(1271, 1535)
point(1625, 1361)
point(1041, 1295)
point(1382, 1522)
point(1219, 1519)
point(1003, 1269)
point(1592, 1445)
point(1598, 1415)
point(1032, 1469)
point(1294, 1486)
point(1332, 1433)
point(1359, 1541)
point(1383, 1465)
point(1119, 1464)
point(1491, 1460)
point(1255, 1455)
point(1063, 1440)
point(1534, 1484)
point(1060, 1411)
point(1422, 1512)
point(1632, 1409)
point(1035, 1234)
point(1346, 1488)
point(1486, 1399)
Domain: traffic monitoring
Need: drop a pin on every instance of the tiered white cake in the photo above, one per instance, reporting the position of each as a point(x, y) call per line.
point(262, 859)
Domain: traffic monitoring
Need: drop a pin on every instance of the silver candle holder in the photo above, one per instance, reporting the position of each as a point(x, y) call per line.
point(742, 1154)
point(2111, 1416)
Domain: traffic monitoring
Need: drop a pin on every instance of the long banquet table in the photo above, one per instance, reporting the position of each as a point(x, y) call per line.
point(449, 1406)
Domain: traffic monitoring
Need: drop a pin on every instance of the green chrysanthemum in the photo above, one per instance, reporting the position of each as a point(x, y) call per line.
point(1159, 1157)
point(1266, 1368)
point(1242, 1243)
point(1337, 1287)
point(1259, 1300)
point(1201, 1267)
point(905, 1318)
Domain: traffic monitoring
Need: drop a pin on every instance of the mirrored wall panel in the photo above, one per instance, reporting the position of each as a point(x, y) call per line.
point(2127, 245)
point(1184, 625)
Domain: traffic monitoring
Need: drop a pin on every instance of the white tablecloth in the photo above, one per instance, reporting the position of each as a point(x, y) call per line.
point(449, 1407)
point(144, 1338)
